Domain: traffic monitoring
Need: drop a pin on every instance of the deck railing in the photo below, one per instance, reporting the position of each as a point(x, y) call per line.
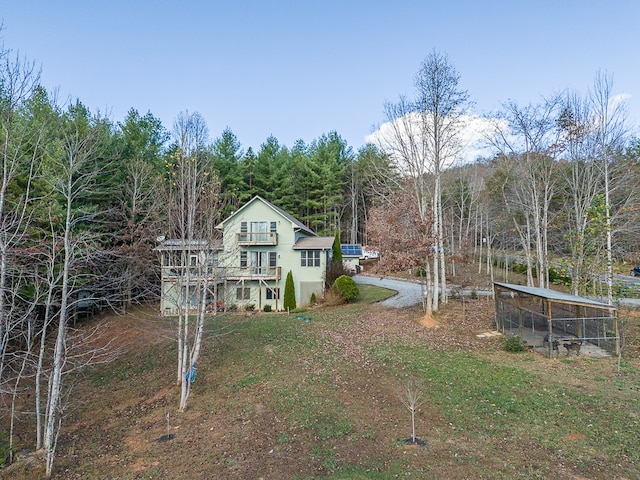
point(257, 238)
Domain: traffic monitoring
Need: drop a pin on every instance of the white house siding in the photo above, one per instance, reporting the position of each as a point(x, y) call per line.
point(289, 231)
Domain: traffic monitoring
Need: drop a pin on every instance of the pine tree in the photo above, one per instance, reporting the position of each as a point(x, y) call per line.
point(289, 293)
point(337, 250)
point(227, 161)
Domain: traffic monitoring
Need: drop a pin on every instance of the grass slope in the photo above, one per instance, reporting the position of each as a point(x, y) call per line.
point(280, 398)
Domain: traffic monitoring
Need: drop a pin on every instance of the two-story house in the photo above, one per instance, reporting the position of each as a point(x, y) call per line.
point(260, 244)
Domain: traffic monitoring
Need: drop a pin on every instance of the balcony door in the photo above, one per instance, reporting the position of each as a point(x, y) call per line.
point(259, 231)
point(263, 263)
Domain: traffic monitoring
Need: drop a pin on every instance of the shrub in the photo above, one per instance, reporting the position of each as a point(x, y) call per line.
point(332, 298)
point(334, 270)
point(347, 288)
point(514, 344)
point(289, 302)
point(313, 300)
point(267, 308)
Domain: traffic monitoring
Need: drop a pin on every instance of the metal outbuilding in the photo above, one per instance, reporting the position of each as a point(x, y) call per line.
point(550, 321)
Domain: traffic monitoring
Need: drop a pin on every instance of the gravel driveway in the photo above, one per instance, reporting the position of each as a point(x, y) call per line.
point(409, 293)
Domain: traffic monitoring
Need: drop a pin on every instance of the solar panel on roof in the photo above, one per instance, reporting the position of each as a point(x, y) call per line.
point(351, 249)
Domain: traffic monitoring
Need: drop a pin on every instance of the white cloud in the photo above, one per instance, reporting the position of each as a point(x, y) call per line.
point(473, 132)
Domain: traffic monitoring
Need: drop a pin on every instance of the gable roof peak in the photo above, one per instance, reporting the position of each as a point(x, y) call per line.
point(297, 223)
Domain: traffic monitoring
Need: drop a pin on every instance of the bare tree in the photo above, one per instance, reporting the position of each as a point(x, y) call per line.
point(72, 178)
point(404, 239)
point(194, 210)
point(412, 396)
point(528, 140)
point(21, 150)
point(423, 137)
point(610, 121)
point(139, 212)
point(583, 183)
point(18, 83)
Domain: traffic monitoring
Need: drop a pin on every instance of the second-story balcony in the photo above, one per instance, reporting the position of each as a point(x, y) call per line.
point(256, 238)
point(253, 273)
point(195, 275)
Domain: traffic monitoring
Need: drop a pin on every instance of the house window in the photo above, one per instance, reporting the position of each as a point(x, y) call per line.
point(212, 259)
point(243, 293)
point(193, 260)
point(273, 294)
point(243, 259)
point(310, 258)
point(273, 228)
point(243, 231)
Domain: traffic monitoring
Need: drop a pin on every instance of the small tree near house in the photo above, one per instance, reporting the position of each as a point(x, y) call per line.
point(336, 249)
point(335, 268)
point(289, 293)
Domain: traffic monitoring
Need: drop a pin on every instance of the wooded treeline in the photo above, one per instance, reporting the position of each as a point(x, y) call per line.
point(83, 200)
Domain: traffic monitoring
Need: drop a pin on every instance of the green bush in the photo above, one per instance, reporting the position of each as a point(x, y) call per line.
point(514, 344)
point(313, 300)
point(267, 308)
point(346, 287)
point(559, 276)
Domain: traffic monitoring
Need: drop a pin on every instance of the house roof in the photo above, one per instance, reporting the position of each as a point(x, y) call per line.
point(179, 244)
point(314, 243)
point(554, 295)
point(297, 223)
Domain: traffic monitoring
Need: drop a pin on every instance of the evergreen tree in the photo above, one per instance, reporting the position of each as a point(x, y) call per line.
point(337, 250)
point(335, 268)
point(138, 210)
point(227, 161)
point(289, 293)
point(329, 159)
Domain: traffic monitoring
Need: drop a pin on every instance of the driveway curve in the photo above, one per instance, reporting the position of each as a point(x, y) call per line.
point(408, 293)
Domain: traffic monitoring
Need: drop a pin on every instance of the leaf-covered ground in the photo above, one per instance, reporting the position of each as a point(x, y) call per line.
point(280, 398)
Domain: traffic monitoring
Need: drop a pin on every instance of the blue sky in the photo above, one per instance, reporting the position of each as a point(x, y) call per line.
point(300, 69)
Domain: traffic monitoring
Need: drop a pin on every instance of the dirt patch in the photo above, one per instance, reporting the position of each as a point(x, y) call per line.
point(429, 322)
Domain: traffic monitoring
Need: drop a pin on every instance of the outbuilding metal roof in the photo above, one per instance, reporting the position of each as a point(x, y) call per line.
point(554, 295)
